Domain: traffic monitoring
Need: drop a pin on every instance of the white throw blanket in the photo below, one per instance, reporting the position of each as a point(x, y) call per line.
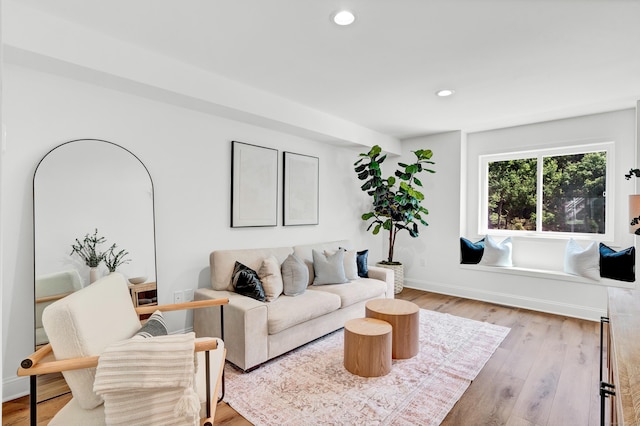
point(149, 381)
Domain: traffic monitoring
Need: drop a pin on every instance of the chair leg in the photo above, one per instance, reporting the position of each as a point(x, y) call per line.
point(33, 400)
point(208, 382)
point(222, 337)
point(222, 385)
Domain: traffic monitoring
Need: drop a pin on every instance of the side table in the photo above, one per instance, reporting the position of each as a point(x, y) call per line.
point(143, 295)
point(367, 347)
point(404, 317)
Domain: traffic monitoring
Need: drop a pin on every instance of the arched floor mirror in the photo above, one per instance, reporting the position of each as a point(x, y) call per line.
point(79, 187)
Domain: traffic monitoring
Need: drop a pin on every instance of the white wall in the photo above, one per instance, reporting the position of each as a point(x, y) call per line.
point(432, 261)
point(188, 154)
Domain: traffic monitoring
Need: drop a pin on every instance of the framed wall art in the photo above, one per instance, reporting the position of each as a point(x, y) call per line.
point(300, 189)
point(254, 185)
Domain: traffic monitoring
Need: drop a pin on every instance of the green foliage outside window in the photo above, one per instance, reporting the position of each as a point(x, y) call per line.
point(512, 194)
point(573, 188)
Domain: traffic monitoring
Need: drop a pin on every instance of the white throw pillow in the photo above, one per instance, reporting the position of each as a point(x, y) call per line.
point(350, 264)
point(584, 262)
point(271, 278)
point(497, 254)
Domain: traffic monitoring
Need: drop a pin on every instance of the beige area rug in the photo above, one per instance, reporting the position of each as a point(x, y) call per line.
point(310, 386)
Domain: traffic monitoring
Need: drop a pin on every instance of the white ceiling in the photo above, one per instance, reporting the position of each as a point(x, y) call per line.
point(511, 62)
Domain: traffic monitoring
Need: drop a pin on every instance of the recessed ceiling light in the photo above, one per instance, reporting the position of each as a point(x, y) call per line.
point(344, 17)
point(445, 92)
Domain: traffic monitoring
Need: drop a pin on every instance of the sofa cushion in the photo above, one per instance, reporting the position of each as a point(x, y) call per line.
point(362, 261)
point(287, 311)
point(271, 278)
point(295, 276)
point(246, 282)
point(354, 292)
point(222, 263)
point(329, 269)
point(350, 262)
point(305, 253)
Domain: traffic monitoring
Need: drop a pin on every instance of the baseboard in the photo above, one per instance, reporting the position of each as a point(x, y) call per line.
point(541, 305)
point(14, 387)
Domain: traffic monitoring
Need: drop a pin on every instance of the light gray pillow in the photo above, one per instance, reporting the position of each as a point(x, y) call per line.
point(350, 263)
point(496, 254)
point(582, 261)
point(295, 276)
point(329, 269)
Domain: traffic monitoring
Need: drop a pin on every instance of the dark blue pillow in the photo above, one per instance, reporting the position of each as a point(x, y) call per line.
point(362, 262)
point(471, 253)
point(618, 265)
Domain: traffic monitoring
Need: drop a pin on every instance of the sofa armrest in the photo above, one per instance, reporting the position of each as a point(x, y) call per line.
point(245, 326)
point(386, 275)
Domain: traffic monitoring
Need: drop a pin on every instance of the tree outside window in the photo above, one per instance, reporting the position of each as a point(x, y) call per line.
point(572, 196)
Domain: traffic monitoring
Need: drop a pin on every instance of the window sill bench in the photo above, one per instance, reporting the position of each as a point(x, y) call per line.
point(548, 274)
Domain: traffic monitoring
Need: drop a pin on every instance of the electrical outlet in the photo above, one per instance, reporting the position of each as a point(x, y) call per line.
point(178, 297)
point(188, 295)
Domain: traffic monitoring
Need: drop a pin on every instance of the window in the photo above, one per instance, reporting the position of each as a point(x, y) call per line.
point(550, 192)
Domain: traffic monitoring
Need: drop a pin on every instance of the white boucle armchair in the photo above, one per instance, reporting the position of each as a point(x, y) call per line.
point(80, 327)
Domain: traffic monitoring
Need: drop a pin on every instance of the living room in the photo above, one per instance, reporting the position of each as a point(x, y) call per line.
point(62, 80)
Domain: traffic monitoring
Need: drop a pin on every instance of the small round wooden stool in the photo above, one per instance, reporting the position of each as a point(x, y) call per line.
point(367, 347)
point(404, 317)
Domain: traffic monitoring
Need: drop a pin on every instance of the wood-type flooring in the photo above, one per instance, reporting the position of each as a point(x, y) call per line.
point(545, 372)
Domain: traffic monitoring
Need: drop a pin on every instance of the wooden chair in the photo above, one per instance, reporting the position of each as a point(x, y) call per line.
point(83, 324)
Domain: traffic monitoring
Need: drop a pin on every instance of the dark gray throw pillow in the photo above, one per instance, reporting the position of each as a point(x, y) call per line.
point(155, 326)
point(246, 282)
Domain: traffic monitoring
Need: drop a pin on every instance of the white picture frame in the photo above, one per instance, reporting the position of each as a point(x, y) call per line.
point(300, 189)
point(254, 185)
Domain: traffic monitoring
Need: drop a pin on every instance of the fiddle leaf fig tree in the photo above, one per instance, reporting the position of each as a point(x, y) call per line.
point(396, 199)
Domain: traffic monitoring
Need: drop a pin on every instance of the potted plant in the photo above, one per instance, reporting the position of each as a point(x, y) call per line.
point(396, 201)
point(113, 259)
point(88, 251)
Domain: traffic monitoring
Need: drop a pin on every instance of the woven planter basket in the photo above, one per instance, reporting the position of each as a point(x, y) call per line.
point(398, 276)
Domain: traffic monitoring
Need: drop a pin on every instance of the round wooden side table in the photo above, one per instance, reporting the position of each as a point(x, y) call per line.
point(404, 317)
point(367, 347)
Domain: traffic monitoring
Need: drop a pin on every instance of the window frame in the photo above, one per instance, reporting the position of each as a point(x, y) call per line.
point(539, 154)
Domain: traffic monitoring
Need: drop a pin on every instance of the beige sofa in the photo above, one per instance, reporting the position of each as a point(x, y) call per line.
point(255, 331)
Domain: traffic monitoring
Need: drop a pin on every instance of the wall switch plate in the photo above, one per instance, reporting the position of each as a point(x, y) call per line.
point(178, 297)
point(188, 295)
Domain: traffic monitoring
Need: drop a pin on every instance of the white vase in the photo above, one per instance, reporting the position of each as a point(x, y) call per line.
point(94, 274)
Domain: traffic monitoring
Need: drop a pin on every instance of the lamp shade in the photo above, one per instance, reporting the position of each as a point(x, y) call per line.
point(634, 214)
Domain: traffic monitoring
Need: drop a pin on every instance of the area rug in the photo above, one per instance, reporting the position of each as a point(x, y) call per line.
point(310, 386)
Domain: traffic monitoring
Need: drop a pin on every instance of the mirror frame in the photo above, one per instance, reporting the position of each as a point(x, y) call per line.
point(153, 219)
